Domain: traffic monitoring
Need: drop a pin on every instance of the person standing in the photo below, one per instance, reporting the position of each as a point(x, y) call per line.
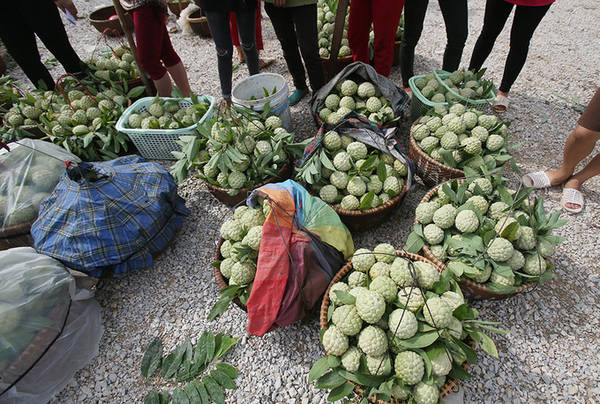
point(217, 14)
point(235, 38)
point(579, 145)
point(295, 24)
point(385, 17)
point(528, 15)
point(154, 48)
point(457, 28)
point(21, 21)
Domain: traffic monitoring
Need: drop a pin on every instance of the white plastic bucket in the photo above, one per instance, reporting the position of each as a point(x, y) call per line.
point(254, 86)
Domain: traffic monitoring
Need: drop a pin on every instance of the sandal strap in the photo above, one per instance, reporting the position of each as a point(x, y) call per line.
point(538, 179)
point(572, 195)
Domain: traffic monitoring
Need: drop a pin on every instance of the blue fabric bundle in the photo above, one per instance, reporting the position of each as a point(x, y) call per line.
point(109, 217)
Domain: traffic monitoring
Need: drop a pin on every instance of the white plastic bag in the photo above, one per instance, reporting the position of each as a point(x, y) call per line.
point(28, 174)
point(45, 335)
point(183, 22)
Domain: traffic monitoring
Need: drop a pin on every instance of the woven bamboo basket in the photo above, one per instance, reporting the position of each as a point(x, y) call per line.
point(231, 200)
point(100, 20)
point(178, 7)
point(358, 220)
point(450, 386)
point(472, 289)
point(16, 236)
point(219, 278)
point(199, 23)
point(432, 172)
point(36, 347)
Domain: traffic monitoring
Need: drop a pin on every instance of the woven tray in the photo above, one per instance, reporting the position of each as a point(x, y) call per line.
point(100, 20)
point(432, 172)
point(16, 236)
point(474, 290)
point(199, 23)
point(219, 278)
point(37, 346)
point(358, 220)
point(232, 200)
point(450, 386)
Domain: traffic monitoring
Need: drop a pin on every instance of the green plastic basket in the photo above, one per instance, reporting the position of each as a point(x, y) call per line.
point(157, 144)
point(419, 105)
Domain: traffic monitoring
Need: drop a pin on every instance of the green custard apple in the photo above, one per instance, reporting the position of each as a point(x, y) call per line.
point(409, 367)
point(334, 341)
point(373, 341)
point(347, 320)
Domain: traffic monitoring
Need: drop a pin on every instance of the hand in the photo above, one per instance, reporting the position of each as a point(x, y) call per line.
point(279, 3)
point(67, 5)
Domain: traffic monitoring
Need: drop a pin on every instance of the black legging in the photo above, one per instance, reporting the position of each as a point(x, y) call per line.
point(455, 19)
point(20, 21)
point(525, 22)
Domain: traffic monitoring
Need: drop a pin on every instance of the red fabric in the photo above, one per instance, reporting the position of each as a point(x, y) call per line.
point(154, 47)
point(385, 16)
point(530, 3)
point(273, 267)
point(235, 38)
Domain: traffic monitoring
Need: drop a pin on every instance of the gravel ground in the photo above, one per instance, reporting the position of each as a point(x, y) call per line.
point(551, 354)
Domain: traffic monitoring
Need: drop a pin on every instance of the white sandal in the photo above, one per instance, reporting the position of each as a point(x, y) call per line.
point(538, 179)
point(572, 196)
point(500, 103)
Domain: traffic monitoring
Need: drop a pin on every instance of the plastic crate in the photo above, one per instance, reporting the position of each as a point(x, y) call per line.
point(157, 144)
point(419, 104)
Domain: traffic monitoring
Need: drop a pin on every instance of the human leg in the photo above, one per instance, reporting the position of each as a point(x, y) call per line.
point(386, 16)
point(496, 14)
point(524, 24)
point(359, 25)
point(44, 18)
point(414, 15)
point(19, 40)
point(173, 62)
point(455, 15)
point(305, 22)
point(219, 29)
point(246, 23)
point(283, 24)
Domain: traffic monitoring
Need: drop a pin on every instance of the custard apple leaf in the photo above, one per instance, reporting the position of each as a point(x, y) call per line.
point(367, 201)
point(345, 297)
point(414, 242)
point(419, 340)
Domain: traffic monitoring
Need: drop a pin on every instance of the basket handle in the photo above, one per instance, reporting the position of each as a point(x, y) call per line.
point(62, 91)
point(436, 74)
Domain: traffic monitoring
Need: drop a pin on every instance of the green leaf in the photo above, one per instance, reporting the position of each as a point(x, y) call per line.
point(326, 161)
point(510, 231)
point(220, 306)
point(136, 92)
point(345, 297)
point(152, 398)
point(200, 351)
point(487, 344)
point(340, 392)
point(330, 380)
point(419, 340)
point(164, 397)
point(172, 361)
point(179, 397)
point(227, 369)
point(152, 357)
point(214, 390)
point(414, 243)
point(362, 379)
point(201, 391)
point(210, 347)
point(381, 171)
point(222, 378)
point(318, 369)
point(226, 343)
point(365, 204)
point(467, 350)
point(464, 312)
point(458, 372)
point(503, 289)
point(192, 394)
point(330, 311)
point(333, 361)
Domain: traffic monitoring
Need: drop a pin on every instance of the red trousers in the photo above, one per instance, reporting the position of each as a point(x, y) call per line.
point(385, 16)
point(235, 38)
point(154, 47)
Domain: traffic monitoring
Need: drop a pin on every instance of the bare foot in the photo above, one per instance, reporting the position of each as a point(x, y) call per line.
point(575, 184)
point(557, 176)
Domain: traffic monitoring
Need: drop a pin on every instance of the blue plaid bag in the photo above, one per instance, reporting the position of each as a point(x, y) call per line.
point(109, 217)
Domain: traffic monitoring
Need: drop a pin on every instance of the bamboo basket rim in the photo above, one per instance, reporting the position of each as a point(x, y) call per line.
point(451, 384)
point(470, 285)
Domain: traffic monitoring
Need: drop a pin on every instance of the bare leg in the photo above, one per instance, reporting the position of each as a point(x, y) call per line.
point(578, 146)
point(180, 78)
point(240, 53)
point(163, 86)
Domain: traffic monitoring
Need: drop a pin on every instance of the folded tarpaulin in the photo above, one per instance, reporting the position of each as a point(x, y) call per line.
point(303, 244)
point(109, 216)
